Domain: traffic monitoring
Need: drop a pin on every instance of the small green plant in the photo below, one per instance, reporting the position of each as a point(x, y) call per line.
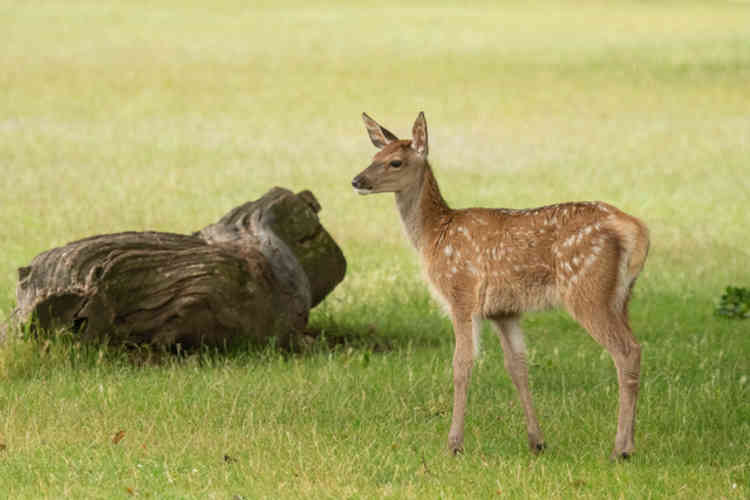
point(734, 303)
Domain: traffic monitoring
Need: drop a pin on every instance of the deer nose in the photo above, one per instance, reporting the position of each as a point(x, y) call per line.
point(359, 182)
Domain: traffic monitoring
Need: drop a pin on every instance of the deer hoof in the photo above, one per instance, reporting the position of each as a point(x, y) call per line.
point(621, 456)
point(538, 448)
point(455, 447)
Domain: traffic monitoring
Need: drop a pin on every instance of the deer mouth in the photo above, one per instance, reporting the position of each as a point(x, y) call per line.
point(361, 185)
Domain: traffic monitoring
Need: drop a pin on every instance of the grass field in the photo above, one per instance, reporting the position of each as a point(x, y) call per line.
point(164, 115)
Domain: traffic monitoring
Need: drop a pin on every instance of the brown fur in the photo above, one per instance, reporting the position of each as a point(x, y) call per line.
point(496, 264)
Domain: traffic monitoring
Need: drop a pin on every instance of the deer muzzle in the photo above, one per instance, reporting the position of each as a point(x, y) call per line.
point(361, 184)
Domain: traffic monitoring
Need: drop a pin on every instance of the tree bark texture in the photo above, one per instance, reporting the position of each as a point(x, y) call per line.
point(251, 276)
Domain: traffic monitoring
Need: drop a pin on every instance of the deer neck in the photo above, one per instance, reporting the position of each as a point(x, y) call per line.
point(421, 207)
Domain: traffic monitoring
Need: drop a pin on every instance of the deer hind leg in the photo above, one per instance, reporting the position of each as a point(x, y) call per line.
point(514, 350)
point(466, 331)
point(611, 329)
point(628, 363)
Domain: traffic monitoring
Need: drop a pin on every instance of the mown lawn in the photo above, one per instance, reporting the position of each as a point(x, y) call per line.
point(135, 115)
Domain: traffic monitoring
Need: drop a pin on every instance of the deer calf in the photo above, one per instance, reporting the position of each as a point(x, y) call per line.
point(496, 264)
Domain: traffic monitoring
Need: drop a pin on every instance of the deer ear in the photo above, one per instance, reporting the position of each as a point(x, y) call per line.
point(379, 136)
point(419, 135)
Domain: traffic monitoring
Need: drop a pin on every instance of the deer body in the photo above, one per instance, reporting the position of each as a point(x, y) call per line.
point(496, 264)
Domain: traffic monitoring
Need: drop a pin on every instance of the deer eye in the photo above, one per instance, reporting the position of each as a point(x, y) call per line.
point(396, 163)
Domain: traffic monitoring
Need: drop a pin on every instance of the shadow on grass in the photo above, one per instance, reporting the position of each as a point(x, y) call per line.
point(553, 338)
point(28, 353)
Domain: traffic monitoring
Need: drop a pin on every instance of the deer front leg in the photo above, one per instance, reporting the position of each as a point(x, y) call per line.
point(514, 349)
point(463, 359)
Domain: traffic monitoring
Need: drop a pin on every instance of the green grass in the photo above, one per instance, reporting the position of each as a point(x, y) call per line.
point(127, 115)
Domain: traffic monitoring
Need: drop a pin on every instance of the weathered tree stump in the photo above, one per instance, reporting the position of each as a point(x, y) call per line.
point(251, 276)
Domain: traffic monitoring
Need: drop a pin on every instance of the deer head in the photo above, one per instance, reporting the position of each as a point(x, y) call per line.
point(399, 164)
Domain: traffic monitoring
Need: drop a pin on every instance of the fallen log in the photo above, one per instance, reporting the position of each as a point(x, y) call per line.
point(250, 277)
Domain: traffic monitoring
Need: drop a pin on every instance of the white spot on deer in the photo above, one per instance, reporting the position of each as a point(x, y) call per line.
point(576, 260)
point(590, 260)
point(567, 267)
point(453, 270)
point(587, 230)
point(568, 242)
point(573, 280)
point(448, 250)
